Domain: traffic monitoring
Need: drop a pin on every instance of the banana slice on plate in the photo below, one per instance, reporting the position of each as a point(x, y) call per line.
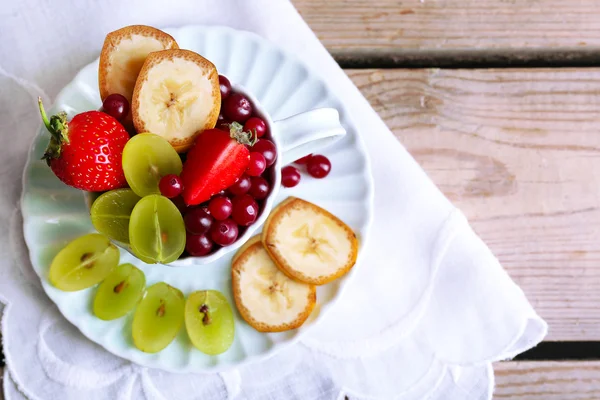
point(176, 96)
point(309, 243)
point(266, 298)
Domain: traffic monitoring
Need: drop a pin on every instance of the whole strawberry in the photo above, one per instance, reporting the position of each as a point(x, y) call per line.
point(86, 152)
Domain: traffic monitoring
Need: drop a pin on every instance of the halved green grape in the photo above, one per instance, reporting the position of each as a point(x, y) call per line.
point(158, 318)
point(146, 159)
point(111, 211)
point(84, 262)
point(119, 292)
point(156, 230)
point(209, 321)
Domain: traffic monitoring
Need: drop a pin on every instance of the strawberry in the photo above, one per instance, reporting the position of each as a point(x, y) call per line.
point(216, 160)
point(85, 153)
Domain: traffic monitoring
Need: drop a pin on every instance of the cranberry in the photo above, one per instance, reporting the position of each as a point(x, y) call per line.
point(224, 232)
point(170, 186)
point(241, 186)
point(303, 160)
point(256, 125)
point(245, 210)
point(257, 164)
point(116, 105)
point(223, 125)
point(220, 207)
point(198, 245)
point(318, 166)
point(225, 86)
point(259, 187)
point(290, 176)
point(237, 107)
point(198, 221)
point(180, 204)
point(267, 149)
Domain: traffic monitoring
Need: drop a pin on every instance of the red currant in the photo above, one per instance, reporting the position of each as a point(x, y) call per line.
point(303, 160)
point(245, 210)
point(241, 186)
point(170, 186)
point(267, 149)
point(225, 86)
point(198, 221)
point(318, 166)
point(259, 187)
point(116, 106)
point(256, 125)
point(257, 164)
point(237, 107)
point(290, 176)
point(224, 232)
point(198, 245)
point(220, 207)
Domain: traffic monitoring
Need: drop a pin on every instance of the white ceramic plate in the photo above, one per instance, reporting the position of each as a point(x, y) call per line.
point(54, 214)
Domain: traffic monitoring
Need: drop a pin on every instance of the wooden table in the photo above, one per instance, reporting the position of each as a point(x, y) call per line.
point(499, 101)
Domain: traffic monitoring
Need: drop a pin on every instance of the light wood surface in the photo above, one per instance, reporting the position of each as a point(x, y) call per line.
point(548, 380)
point(519, 152)
point(436, 25)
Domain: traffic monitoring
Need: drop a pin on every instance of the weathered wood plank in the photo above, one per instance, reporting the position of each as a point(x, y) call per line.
point(548, 380)
point(519, 152)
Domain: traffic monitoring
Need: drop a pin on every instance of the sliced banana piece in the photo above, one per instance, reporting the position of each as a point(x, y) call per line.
point(123, 55)
point(309, 243)
point(266, 298)
point(176, 96)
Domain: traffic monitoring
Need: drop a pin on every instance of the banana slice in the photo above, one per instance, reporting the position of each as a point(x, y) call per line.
point(176, 96)
point(308, 243)
point(123, 55)
point(266, 298)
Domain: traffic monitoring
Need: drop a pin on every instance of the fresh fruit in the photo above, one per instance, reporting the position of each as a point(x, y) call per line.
point(266, 298)
point(303, 160)
point(267, 149)
point(223, 125)
point(156, 230)
point(146, 159)
point(85, 153)
point(119, 292)
point(318, 166)
point(259, 188)
point(309, 243)
point(257, 164)
point(224, 232)
point(214, 163)
point(290, 176)
point(198, 221)
point(245, 210)
point(84, 262)
point(170, 186)
point(220, 207)
point(209, 321)
point(236, 107)
point(256, 125)
point(123, 55)
point(111, 211)
point(176, 96)
point(116, 106)
point(241, 186)
point(180, 204)
point(224, 86)
point(158, 318)
point(198, 245)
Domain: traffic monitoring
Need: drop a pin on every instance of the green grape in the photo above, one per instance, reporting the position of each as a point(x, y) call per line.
point(119, 293)
point(158, 318)
point(84, 262)
point(209, 321)
point(156, 230)
point(111, 211)
point(146, 159)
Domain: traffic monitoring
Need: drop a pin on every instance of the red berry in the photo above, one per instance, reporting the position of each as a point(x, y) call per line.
point(225, 86)
point(256, 125)
point(318, 166)
point(220, 207)
point(116, 106)
point(170, 186)
point(241, 186)
point(257, 164)
point(198, 245)
point(180, 204)
point(224, 232)
point(290, 176)
point(198, 221)
point(259, 187)
point(245, 210)
point(303, 160)
point(267, 149)
point(237, 107)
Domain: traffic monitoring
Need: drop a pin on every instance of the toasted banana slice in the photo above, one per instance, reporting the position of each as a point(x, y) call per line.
point(267, 298)
point(308, 243)
point(123, 55)
point(176, 96)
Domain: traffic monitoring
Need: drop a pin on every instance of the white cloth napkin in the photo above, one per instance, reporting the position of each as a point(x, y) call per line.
point(428, 311)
